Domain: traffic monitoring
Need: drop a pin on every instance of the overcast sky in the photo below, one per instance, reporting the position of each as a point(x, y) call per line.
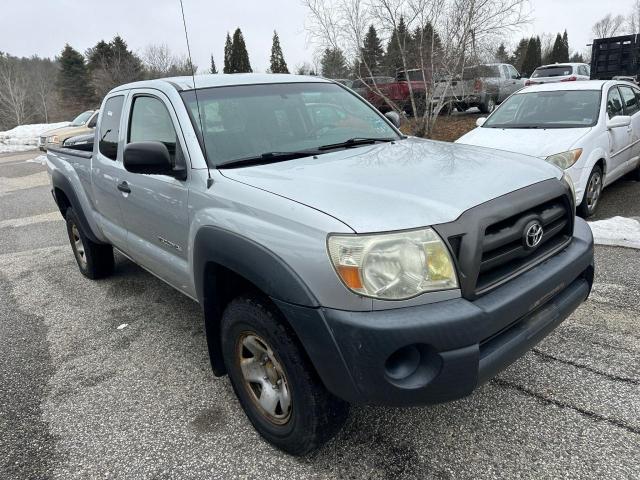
point(42, 27)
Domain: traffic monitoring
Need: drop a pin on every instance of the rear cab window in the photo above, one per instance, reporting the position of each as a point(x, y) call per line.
point(553, 71)
point(110, 127)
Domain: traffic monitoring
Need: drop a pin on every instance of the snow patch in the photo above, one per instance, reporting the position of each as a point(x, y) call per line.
point(41, 159)
point(25, 137)
point(617, 231)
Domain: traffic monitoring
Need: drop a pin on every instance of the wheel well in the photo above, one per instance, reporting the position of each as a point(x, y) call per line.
point(62, 201)
point(221, 286)
point(603, 166)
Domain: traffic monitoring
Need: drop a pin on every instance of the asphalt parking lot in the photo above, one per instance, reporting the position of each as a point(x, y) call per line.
point(80, 398)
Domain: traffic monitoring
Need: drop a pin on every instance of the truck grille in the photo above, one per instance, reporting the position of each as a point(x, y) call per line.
point(504, 248)
point(489, 242)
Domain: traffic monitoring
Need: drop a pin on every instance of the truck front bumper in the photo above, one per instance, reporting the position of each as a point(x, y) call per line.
point(442, 351)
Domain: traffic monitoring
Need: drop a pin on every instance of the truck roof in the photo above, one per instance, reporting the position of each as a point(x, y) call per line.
point(222, 80)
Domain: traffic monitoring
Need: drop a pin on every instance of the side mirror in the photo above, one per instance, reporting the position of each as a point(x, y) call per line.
point(151, 158)
point(619, 121)
point(480, 121)
point(394, 118)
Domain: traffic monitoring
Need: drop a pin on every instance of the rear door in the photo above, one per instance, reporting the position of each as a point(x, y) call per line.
point(632, 108)
point(155, 206)
point(107, 170)
point(619, 138)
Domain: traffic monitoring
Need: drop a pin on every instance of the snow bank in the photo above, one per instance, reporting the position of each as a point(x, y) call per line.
point(620, 231)
point(25, 137)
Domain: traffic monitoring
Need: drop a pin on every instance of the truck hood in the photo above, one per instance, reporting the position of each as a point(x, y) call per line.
point(67, 131)
point(534, 142)
point(408, 184)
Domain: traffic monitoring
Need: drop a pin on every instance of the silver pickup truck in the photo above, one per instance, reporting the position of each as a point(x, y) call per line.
point(484, 86)
point(336, 260)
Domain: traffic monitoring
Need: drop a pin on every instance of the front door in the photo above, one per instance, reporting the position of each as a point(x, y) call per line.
point(155, 206)
point(107, 171)
point(619, 138)
point(632, 109)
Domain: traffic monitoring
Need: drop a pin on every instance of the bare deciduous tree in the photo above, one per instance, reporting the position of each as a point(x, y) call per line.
point(468, 30)
point(633, 22)
point(160, 62)
point(608, 26)
point(14, 91)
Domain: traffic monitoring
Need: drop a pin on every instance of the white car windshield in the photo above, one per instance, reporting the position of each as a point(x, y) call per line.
point(552, 109)
point(247, 121)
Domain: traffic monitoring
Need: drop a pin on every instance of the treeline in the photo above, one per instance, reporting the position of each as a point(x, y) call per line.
point(376, 59)
point(530, 53)
point(41, 90)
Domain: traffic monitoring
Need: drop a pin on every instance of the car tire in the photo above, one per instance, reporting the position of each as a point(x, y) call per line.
point(298, 415)
point(489, 106)
point(94, 260)
point(592, 193)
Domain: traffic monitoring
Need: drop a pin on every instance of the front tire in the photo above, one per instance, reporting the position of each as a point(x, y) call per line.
point(592, 193)
point(275, 383)
point(94, 260)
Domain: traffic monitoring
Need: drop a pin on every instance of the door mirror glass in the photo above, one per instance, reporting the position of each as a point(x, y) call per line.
point(394, 118)
point(480, 122)
point(619, 121)
point(151, 158)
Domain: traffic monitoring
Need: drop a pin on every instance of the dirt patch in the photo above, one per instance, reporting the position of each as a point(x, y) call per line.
point(450, 127)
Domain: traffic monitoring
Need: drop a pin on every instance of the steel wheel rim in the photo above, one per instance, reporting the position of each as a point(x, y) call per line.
point(78, 246)
point(594, 189)
point(264, 378)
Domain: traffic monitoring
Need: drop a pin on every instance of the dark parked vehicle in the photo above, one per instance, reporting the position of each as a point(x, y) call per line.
point(615, 57)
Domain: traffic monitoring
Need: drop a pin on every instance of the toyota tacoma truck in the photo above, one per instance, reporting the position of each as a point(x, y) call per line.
point(336, 261)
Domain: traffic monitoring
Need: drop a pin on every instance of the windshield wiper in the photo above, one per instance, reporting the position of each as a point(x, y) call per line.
point(267, 157)
point(352, 142)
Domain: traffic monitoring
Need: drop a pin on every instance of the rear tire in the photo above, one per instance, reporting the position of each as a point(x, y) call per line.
point(94, 260)
point(488, 106)
point(276, 385)
point(592, 193)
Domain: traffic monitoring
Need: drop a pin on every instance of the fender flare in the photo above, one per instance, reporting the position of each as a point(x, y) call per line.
point(62, 183)
point(260, 266)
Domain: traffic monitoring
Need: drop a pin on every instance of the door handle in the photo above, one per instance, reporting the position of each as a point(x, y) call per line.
point(124, 187)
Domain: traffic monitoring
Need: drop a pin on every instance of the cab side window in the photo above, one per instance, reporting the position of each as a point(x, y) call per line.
point(629, 100)
point(110, 127)
point(514, 73)
point(151, 122)
point(614, 103)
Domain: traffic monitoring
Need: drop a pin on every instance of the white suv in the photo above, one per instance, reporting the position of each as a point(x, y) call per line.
point(560, 72)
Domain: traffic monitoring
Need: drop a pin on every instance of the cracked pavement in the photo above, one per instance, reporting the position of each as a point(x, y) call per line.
point(81, 399)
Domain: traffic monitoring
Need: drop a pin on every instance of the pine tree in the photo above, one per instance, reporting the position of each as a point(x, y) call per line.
point(73, 83)
point(393, 58)
point(531, 62)
point(277, 64)
point(558, 51)
point(565, 47)
point(501, 54)
point(239, 55)
point(519, 54)
point(577, 58)
point(227, 55)
point(99, 55)
point(371, 53)
point(212, 68)
point(333, 63)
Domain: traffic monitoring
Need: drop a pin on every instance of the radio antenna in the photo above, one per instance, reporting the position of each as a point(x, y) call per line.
point(195, 91)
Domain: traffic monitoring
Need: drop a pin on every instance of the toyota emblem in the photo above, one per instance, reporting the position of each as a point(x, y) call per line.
point(533, 235)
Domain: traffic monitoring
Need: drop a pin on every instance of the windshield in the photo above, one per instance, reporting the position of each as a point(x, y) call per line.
point(555, 109)
point(481, 71)
point(250, 120)
point(555, 71)
point(82, 118)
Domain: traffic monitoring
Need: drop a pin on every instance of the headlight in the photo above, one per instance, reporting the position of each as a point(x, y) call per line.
point(393, 266)
point(565, 159)
point(53, 139)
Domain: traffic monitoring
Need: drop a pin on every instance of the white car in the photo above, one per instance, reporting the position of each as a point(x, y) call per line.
point(589, 129)
point(560, 72)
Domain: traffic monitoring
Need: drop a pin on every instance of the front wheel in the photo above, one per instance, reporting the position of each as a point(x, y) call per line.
point(274, 381)
point(592, 193)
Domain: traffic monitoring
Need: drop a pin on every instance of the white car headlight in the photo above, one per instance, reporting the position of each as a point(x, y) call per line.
point(393, 266)
point(53, 139)
point(565, 160)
